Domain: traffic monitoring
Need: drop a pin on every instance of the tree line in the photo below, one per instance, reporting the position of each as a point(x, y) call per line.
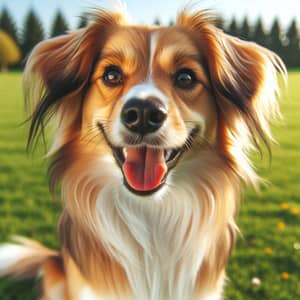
point(285, 42)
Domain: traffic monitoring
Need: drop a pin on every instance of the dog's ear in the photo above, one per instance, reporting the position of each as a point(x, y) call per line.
point(58, 71)
point(243, 76)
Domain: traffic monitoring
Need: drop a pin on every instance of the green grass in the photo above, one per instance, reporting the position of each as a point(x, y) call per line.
point(26, 207)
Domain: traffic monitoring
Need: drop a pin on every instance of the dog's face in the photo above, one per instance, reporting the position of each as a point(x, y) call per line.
point(150, 98)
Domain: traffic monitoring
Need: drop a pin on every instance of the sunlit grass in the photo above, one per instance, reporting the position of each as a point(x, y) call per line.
point(267, 251)
point(269, 220)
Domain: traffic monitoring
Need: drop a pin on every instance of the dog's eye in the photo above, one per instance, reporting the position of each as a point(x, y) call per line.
point(184, 79)
point(113, 76)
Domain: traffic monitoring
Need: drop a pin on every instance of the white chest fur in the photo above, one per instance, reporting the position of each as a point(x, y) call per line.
point(160, 242)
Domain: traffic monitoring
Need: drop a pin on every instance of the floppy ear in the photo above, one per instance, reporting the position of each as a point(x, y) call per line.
point(58, 72)
point(243, 76)
point(244, 79)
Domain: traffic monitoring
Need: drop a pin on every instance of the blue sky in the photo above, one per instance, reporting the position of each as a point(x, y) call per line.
point(146, 11)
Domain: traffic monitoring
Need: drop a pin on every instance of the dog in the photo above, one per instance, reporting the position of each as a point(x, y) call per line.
point(153, 129)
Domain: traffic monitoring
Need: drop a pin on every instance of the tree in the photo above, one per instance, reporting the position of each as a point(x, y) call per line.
point(220, 22)
point(59, 25)
point(245, 31)
point(9, 51)
point(293, 35)
point(274, 38)
point(83, 21)
point(292, 49)
point(8, 25)
point(33, 33)
point(157, 22)
point(233, 27)
point(259, 35)
point(171, 22)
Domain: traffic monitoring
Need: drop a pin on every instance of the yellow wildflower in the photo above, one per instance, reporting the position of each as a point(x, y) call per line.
point(284, 206)
point(281, 225)
point(285, 276)
point(294, 211)
point(268, 250)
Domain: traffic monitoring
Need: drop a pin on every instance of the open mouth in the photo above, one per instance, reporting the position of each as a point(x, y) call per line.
point(146, 168)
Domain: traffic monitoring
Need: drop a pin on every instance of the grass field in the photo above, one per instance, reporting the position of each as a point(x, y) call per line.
point(270, 221)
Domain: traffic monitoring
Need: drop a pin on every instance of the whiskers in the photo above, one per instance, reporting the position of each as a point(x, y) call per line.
point(133, 139)
point(196, 139)
point(93, 135)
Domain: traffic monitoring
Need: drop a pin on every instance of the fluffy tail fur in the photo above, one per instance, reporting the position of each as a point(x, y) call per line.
point(24, 258)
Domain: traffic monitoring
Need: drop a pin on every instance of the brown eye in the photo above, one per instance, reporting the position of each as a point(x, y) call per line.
point(185, 79)
point(113, 76)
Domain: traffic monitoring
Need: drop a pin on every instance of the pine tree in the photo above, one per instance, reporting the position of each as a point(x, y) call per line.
point(59, 25)
point(220, 22)
point(292, 48)
point(274, 38)
point(259, 35)
point(8, 25)
point(293, 35)
point(171, 22)
point(157, 22)
point(32, 33)
point(245, 30)
point(83, 21)
point(233, 27)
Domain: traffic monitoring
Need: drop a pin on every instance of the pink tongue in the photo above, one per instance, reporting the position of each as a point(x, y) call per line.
point(144, 168)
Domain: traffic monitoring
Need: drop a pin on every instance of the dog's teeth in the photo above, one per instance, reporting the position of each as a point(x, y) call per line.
point(125, 152)
point(168, 154)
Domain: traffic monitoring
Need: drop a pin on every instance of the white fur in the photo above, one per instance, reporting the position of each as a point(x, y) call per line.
point(153, 44)
point(10, 254)
point(199, 120)
point(88, 294)
point(58, 292)
point(145, 90)
point(212, 296)
point(158, 240)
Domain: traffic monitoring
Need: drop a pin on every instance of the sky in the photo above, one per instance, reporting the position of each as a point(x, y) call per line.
point(144, 12)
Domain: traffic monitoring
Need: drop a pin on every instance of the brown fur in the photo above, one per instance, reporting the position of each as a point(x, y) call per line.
point(232, 95)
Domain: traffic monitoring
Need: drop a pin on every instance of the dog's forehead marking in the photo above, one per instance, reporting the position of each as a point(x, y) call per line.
point(153, 46)
point(145, 90)
point(148, 87)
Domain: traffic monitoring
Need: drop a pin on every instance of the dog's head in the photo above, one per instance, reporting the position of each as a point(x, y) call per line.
point(152, 97)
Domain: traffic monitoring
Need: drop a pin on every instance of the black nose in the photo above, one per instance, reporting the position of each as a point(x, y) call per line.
point(143, 116)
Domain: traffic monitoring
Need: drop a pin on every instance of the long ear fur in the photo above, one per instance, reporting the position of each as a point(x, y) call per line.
point(245, 74)
point(58, 72)
point(243, 79)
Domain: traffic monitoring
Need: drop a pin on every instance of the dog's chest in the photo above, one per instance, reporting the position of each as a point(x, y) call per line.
point(87, 293)
point(160, 246)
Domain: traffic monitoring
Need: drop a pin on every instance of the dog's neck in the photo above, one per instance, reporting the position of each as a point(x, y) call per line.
point(173, 245)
